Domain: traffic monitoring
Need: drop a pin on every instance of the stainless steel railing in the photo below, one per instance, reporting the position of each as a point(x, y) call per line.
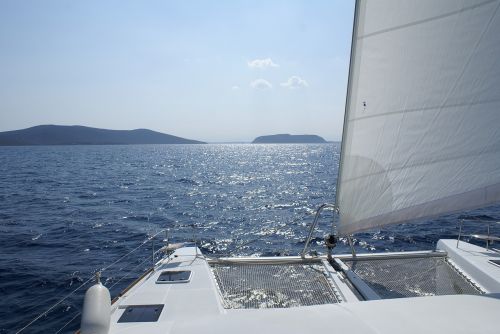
point(488, 238)
point(315, 223)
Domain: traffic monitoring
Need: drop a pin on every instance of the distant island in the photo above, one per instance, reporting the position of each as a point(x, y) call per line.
point(82, 135)
point(289, 139)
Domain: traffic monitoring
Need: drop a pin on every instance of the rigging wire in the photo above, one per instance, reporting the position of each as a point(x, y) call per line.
point(66, 324)
point(85, 283)
point(110, 287)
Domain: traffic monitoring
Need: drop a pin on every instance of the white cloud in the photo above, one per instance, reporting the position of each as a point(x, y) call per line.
point(261, 84)
point(235, 87)
point(261, 63)
point(294, 82)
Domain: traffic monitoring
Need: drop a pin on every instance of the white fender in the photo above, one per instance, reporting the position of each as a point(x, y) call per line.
point(96, 314)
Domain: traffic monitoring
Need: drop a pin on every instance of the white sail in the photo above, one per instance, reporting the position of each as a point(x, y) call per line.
point(422, 124)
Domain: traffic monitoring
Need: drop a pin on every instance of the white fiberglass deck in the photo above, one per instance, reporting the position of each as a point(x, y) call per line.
point(474, 262)
point(198, 306)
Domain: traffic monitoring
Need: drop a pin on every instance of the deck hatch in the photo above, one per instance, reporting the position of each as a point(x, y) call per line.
point(495, 262)
point(247, 286)
point(174, 276)
point(412, 277)
point(141, 313)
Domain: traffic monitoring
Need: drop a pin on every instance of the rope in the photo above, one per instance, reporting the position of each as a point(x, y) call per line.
point(85, 283)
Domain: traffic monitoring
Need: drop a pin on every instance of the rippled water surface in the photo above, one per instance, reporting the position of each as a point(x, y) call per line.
point(66, 211)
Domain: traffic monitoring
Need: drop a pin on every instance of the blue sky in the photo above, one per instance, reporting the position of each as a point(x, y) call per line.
point(207, 70)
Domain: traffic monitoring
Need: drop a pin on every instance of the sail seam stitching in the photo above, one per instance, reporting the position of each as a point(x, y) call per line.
point(434, 18)
point(361, 222)
point(444, 159)
point(425, 109)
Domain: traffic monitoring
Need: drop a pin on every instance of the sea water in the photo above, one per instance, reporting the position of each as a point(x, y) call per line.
point(66, 211)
